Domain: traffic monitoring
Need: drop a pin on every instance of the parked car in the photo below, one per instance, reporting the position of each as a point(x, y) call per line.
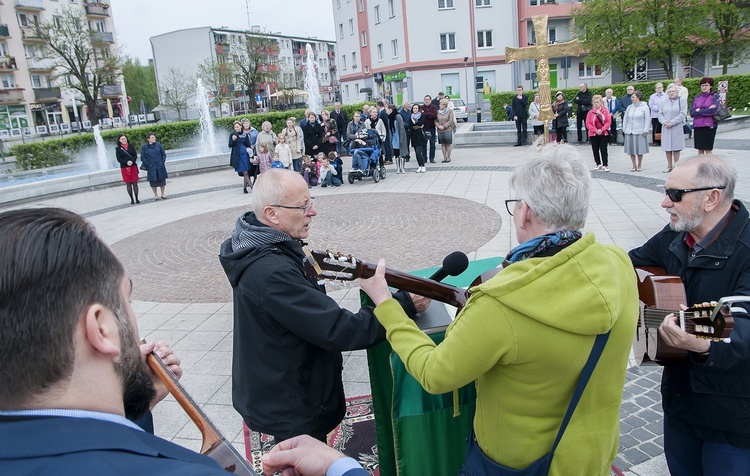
point(460, 110)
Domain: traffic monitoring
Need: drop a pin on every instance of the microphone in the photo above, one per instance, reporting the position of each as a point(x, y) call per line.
point(453, 265)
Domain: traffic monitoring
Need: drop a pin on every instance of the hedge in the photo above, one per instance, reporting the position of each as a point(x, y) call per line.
point(737, 97)
point(172, 135)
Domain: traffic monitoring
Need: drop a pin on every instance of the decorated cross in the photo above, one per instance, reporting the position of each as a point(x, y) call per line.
point(542, 52)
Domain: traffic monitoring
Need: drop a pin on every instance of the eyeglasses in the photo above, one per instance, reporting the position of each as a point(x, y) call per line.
point(304, 208)
point(512, 200)
point(675, 194)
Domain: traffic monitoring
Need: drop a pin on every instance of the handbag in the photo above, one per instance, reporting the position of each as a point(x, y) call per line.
point(144, 166)
point(333, 139)
point(479, 464)
point(722, 114)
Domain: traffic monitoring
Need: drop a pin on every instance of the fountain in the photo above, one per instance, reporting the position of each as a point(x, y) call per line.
point(101, 151)
point(312, 85)
point(208, 134)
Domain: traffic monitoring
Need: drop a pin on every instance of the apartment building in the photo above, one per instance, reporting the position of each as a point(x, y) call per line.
point(31, 101)
point(185, 50)
point(458, 47)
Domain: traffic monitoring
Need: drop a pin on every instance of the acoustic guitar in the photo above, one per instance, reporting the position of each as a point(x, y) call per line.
point(326, 265)
point(661, 295)
point(215, 446)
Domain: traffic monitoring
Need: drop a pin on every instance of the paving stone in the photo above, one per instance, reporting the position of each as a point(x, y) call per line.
point(635, 456)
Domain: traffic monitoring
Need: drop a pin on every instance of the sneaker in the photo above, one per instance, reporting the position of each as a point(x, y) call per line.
point(598, 167)
point(424, 169)
point(606, 169)
point(419, 170)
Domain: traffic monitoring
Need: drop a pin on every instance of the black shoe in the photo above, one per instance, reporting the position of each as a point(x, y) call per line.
point(132, 202)
point(244, 190)
point(517, 145)
point(137, 201)
point(432, 161)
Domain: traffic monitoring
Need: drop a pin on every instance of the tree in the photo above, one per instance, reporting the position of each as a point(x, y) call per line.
point(140, 83)
point(616, 32)
point(216, 77)
point(256, 62)
point(176, 90)
point(83, 59)
point(731, 19)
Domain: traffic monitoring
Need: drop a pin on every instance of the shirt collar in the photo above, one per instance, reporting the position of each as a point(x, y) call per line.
point(71, 413)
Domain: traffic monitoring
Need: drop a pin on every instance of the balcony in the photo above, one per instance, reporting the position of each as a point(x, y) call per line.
point(8, 96)
point(110, 91)
point(102, 37)
point(28, 33)
point(222, 48)
point(47, 94)
point(40, 64)
point(8, 63)
point(29, 4)
point(97, 9)
point(4, 33)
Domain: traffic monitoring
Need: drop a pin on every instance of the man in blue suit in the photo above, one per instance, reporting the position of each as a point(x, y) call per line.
point(73, 376)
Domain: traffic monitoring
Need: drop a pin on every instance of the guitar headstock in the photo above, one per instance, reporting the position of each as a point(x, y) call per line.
point(329, 265)
point(709, 320)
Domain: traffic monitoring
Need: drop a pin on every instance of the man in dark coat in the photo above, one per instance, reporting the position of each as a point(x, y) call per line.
point(520, 107)
point(288, 335)
point(707, 244)
point(342, 120)
point(430, 112)
point(583, 101)
point(387, 142)
point(405, 113)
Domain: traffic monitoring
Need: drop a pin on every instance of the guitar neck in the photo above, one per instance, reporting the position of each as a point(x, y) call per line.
point(214, 444)
point(422, 286)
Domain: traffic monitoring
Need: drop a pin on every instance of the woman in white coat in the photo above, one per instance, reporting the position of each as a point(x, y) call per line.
point(672, 113)
point(636, 124)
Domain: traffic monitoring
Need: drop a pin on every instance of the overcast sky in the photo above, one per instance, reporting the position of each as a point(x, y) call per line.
point(138, 20)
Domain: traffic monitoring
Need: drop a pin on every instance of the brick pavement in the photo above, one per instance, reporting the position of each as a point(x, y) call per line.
point(624, 211)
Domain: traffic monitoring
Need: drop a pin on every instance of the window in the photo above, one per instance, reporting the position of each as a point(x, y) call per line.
point(367, 69)
point(354, 60)
point(338, 3)
point(718, 60)
point(484, 39)
point(341, 31)
point(4, 48)
point(377, 14)
point(588, 71)
point(356, 89)
point(346, 90)
point(36, 81)
point(394, 48)
point(445, 4)
point(351, 26)
point(8, 80)
point(361, 5)
point(57, 20)
point(391, 9)
point(483, 3)
point(343, 61)
point(380, 52)
point(551, 35)
point(364, 38)
point(447, 42)
point(27, 20)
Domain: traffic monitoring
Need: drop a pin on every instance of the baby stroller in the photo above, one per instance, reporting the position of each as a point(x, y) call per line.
point(376, 163)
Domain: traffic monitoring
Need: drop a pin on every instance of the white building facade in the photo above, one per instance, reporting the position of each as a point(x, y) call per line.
point(32, 102)
point(185, 50)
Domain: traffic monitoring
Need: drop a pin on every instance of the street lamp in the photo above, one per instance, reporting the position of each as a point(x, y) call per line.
point(466, 79)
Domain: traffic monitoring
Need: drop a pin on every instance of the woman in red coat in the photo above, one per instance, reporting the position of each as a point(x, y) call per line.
point(126, 156)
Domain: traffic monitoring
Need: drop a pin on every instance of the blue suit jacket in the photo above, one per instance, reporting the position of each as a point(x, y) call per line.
point(74, 446)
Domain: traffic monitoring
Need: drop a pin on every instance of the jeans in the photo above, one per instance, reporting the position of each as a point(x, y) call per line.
point(341, 139)
point(690, 456)
point(361, 158)
point(331, 179)
point(432, 145)
point(297, 164)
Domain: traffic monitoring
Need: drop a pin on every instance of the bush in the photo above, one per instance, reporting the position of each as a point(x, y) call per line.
point(172, 135)
point(737, 97)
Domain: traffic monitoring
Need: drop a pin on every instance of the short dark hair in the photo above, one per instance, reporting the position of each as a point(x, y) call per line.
point(707, 80)
point(152, 134)
point(54, 266)
point(639, 94)
point(120, 137)
point(332, 155)
point(381, 104)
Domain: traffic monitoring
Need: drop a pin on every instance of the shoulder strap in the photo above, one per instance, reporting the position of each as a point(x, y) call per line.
point(588, 369)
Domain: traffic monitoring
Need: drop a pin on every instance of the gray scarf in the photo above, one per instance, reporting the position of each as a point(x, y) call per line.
point(250, 233)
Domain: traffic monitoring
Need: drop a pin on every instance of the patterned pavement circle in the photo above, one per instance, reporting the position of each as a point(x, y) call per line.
point(178, 262)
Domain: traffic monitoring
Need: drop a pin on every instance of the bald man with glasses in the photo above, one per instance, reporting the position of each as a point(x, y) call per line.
point(288, 335)
point(707, 243)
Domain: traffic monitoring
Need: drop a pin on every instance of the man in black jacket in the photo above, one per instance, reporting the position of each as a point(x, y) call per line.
point(342, 120)
point(583, 100)
point(707, 243)
point(288, 335)
point(520, 107)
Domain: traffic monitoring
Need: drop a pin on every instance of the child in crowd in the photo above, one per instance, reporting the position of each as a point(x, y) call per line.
point(337, 164)
point(327, 173)
point(283, 151)
point(276, 163)
point(263, 158)
point(309, 171)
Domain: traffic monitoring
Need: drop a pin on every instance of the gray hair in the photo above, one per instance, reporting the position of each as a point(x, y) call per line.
point(556, 185)
point(271, 189)
point(671, 87)
point(266, 123)
point(712, 171)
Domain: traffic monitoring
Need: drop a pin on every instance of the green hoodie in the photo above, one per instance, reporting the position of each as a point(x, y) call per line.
point(524, 336)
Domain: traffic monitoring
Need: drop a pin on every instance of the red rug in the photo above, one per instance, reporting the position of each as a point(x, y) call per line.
point(355, 437)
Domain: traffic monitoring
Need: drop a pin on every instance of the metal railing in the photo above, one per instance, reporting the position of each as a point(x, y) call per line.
point(44, 64)
point(35, 4)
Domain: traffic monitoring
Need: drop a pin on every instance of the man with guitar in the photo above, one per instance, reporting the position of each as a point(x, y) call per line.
point(706, 396)
point(73, 377)
point(288, 335)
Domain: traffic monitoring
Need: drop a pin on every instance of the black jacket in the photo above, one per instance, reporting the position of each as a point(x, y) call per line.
point(341, 119)
point(583, 100)
point(562, 111)
point(709, 398)
point(313, 136)
point(520, 107)
point(288, 339)
point(123, 156)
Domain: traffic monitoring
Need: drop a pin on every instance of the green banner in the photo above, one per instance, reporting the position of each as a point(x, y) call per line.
point(394, 77)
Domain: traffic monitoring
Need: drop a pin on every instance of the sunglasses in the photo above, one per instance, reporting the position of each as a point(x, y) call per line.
point(675, 194)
